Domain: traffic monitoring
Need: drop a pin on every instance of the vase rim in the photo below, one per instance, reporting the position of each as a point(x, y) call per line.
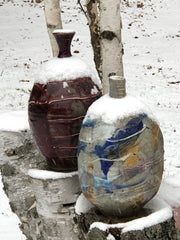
point(63, 31)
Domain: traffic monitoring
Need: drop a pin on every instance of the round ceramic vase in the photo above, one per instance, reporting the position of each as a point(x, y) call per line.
point(120, 156)
point(64, 89)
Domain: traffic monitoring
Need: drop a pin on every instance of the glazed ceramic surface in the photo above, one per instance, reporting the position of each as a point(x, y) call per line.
point(120, 164)
point(58, 103)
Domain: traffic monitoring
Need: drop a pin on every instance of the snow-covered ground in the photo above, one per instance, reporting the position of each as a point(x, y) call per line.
point(151, 38)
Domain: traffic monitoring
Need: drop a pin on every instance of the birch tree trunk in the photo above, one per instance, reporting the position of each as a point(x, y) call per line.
point(111, 45)
point(105, 27)
point(93, 19)
point(53, 21)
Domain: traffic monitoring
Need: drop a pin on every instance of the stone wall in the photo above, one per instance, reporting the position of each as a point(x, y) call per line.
point(46, 205)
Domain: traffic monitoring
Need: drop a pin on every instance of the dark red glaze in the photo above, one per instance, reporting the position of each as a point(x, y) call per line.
point(56, 111)
point(55, 117)
point(64, 42)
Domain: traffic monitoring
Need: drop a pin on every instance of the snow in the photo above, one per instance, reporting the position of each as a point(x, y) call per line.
point(9, 222)
point(161, 212)
point(94, 90)
point(63, 31)
point(82, 205)
point(151, 39)
point(110, 237)
point(60, 69)
point(14, 121)
point(65, 84)
point(111, 109)
point(169, 190)
point(44, 174)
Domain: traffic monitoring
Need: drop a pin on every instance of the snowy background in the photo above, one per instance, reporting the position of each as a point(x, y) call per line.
point(151, 38)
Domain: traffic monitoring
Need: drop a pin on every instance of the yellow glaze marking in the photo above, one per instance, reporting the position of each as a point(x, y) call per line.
point(133, 152)
point(89, 195)
point(90, 192)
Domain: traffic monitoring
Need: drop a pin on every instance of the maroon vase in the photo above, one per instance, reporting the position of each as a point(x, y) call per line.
point(59, 100)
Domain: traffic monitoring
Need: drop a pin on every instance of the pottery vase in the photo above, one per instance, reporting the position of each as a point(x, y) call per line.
point(120, 155)
point(63, 90)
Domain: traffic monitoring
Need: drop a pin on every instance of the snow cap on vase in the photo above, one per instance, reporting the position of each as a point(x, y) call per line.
point(64, 89)
point(120, 153)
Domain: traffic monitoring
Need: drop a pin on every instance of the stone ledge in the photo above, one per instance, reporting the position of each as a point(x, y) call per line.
point(155, 221)
point(19, 154)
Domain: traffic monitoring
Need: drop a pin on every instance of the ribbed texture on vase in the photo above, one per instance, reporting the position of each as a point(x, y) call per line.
point(117, 87)
point(56, 112)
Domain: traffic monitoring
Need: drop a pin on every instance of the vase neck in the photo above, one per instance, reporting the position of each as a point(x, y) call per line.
point(117, 87)
point(64, 39)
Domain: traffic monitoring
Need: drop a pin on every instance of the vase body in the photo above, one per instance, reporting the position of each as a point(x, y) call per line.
point(120, 156)
point(57, 105)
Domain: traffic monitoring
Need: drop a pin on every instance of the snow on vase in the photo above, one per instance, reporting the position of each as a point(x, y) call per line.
point(63, 90)
point(121, 153)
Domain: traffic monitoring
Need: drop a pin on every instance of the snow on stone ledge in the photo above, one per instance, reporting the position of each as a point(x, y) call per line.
point(45, 174)
point(14, 121)
point(169, 189)
point(111, 109)
point(60, 69)
point(110, 237)
point(82, 205)
point(161, 212)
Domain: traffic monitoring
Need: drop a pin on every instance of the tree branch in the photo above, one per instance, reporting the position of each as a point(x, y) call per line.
point(82, 9)
point(93, 19)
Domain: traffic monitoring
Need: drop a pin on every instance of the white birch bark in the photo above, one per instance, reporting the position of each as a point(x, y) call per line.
point(55, 194)
point(111, 46)
point(53, 21)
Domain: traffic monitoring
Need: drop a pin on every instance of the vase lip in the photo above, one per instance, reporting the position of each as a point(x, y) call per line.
point(117, 86)
point(63, 31)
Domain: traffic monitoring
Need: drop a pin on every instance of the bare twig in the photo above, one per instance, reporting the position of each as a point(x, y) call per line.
point(82, 9)
point(174, 82)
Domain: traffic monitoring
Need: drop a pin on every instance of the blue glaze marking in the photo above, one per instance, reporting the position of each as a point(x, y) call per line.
point(81, 144)
point(110, 149)
point(108, 191)
point(104, 152)
point(99, 182)
point(84, 187)
point(130, 185)
point(81, 147)
point(89, 123)
point(108, 185)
